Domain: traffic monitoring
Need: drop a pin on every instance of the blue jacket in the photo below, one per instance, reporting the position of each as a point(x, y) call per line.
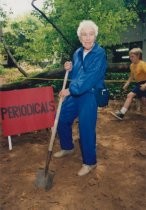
point(89, 73)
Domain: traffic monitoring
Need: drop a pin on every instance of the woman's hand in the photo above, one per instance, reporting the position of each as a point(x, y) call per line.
point(64, 93)
point(68, 66)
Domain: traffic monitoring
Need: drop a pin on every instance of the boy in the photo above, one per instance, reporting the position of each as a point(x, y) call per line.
point(137, 73)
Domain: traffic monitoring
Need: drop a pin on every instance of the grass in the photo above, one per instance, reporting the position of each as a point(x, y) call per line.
point(12, 75)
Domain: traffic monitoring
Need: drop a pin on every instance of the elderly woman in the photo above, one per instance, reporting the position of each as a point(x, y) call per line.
point(87, 72)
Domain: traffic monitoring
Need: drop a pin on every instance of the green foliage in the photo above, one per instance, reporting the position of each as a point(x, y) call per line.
point(116, 87)
point(139, 6)
point(33, 39)
point(116, 90)
point(3, 17)
point(2, 70)
point(111, 16)
point(30, 40)
point(117, 76)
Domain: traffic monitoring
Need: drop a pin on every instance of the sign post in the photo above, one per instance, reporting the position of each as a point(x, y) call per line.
point(10, 142)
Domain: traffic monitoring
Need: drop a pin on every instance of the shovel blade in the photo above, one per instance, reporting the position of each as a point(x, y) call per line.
point(44, 180)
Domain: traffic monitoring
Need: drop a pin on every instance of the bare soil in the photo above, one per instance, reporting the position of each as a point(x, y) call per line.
point(118, 182)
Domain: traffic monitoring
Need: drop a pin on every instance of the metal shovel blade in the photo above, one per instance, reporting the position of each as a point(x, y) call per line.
point(44, 180)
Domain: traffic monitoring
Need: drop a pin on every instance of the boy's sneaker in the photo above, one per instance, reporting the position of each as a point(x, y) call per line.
point(63, 153)
point(118, 115)
point(85, 169)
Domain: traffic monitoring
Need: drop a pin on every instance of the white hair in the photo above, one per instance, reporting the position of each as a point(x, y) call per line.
point(86, 24)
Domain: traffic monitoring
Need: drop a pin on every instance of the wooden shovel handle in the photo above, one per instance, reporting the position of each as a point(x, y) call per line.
point(57, 114)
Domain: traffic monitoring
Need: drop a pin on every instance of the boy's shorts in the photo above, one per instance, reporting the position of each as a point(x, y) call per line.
point(137, 90)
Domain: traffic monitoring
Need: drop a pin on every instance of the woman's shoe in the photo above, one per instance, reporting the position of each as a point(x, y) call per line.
point(63, 153)
point(85, 169)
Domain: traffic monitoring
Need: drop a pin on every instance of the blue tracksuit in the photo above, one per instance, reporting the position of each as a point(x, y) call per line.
point(87, 76)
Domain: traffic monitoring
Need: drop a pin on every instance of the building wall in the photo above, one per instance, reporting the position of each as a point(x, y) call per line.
point(135, 35)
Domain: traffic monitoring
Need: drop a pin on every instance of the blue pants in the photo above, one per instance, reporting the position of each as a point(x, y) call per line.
point(85, 108)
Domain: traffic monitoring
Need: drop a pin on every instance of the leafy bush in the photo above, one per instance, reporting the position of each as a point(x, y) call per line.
point(2, 71)
point(115, 87)
point(117, 76)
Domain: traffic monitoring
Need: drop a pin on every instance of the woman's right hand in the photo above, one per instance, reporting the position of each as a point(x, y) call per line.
point(68, 66)
point(64, 93)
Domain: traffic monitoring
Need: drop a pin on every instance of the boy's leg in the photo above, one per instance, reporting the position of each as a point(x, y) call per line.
point(128, 102)
point(120, 114)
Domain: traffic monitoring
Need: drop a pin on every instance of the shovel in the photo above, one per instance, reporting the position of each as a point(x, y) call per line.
point(44, 178)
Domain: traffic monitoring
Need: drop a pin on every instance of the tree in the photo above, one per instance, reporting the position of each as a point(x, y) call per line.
point(35, 40)
point(30, 40)
point(139, 6)
point(3, 17)
point(111, 16)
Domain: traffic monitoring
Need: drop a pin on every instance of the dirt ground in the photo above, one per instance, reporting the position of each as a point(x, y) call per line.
point(118, 182)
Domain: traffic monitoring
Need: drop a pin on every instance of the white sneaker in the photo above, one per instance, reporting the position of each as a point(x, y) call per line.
point(63, 153)
point(85, 169)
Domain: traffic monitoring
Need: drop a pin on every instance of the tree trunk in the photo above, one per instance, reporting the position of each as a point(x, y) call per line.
point(14, 61)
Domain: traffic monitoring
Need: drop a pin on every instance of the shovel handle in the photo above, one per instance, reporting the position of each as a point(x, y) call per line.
point(57, 114)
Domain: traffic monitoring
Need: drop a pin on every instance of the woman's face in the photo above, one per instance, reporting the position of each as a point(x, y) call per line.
point(87, 38)
point(134, 58)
